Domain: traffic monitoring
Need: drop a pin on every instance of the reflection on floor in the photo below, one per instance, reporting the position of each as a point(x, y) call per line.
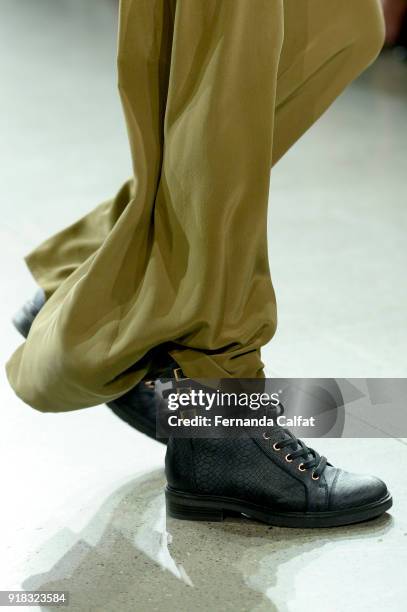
point(129, 557)
point(82, 504)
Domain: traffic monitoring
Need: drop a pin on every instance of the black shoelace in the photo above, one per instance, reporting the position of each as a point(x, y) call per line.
point(298, 449)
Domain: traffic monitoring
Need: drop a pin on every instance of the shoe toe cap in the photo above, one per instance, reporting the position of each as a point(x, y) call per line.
point(351, 490)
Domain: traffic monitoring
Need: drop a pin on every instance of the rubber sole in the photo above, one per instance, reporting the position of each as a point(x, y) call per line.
point(192, 507)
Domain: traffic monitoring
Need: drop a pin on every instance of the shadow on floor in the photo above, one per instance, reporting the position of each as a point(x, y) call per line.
point(129, 557)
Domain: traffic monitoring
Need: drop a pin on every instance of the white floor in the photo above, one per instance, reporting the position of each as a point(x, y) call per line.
point(82, 506)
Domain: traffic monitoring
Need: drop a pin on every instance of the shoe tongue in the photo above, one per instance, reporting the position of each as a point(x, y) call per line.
point(280, 433)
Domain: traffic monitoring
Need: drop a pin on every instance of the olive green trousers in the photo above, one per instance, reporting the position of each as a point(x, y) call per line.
point(214, 93)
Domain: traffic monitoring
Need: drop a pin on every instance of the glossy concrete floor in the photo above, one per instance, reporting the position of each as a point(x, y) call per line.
point(82, 504)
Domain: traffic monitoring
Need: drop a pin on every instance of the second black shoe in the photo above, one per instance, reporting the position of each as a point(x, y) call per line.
point(276, 479)
point(138, 407)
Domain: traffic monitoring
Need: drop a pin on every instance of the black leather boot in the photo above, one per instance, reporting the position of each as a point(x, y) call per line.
point(276, 479)
point(138, 407)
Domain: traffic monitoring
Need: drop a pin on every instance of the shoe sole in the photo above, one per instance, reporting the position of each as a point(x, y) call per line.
point(190, 507)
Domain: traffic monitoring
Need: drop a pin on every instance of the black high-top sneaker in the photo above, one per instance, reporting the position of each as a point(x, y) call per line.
point(138, 407)
point(276, 479)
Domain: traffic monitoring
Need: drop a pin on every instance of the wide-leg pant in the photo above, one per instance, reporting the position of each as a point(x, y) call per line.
point(214, 93)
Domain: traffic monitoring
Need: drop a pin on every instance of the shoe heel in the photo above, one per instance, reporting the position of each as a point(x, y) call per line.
point(188, 508)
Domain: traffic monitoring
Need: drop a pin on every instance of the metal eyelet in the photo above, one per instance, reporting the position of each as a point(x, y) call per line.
point(276, 447)
point(314, 477)
point(302, 468)
point(287, 458)
point(266, 437)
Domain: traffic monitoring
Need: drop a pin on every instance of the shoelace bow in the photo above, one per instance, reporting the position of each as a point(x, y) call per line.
point(311, 459)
